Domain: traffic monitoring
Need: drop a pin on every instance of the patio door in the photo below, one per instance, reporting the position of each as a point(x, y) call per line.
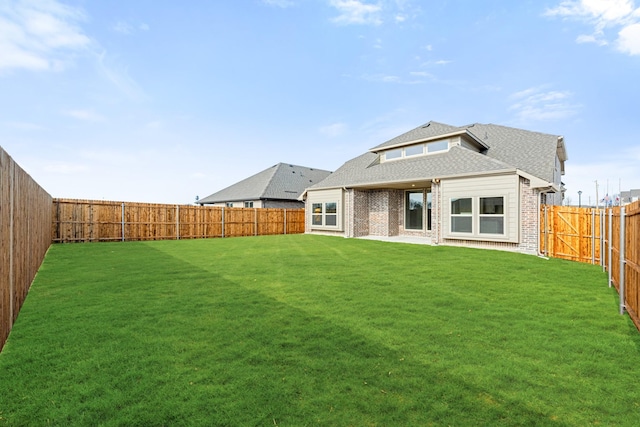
point(417, 206)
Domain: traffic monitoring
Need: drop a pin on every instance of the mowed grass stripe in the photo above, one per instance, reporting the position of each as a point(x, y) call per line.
point(314, 330)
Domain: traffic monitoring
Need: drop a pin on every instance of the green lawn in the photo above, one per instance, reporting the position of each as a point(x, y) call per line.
point(313, 330)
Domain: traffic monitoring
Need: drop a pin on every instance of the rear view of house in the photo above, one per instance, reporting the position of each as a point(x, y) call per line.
point(478, 185)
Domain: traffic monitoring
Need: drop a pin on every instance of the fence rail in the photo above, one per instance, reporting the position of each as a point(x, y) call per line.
point(97, 221)
point(608, 237)
point(25, 220)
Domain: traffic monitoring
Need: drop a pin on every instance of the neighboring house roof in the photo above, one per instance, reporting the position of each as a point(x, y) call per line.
point(503, 149)
point(279, 182)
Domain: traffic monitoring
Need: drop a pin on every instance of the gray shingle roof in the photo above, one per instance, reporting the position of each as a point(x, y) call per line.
point(367, 170)
point(508, 149)
point(426, 131)
point(280, 182)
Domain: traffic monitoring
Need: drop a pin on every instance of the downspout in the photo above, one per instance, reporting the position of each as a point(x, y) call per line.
point(351, 231)
point(539, 200)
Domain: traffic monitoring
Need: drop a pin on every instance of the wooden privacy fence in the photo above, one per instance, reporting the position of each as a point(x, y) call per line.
point(608, 237)
point(25, 221)
point(98, 221)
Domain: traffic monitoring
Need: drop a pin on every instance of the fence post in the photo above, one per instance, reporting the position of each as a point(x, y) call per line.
point(546, 231)
point(593, 237)
point(123, 221)
point(285, 222)
point(255, 221)
point(223, 222)
point(610, 244)
point(602, 259)
point(622, 260)
point(12, 237)
point(177, 222)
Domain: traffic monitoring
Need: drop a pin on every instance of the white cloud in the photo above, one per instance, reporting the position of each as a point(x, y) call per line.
point(591, 38)
point(119, 76)
point(39, 35)
point(356, 12)
point(602, 15)
point(536, 104)
point(629, 40)
point(85, 115)
point(127, 28)
point(334, 130)
point(123, 28)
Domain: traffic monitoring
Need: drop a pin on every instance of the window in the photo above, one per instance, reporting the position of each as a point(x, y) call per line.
point(324, 214)
point(486, 213)
point(316, 218)
point(331, 214)
point(229, 204)
point(414, 150)
point(393, 154)
point(413, 210)
point(436, 146)
point(248, 204)
point(429, 209)
point(461, 215)
point(492, 215)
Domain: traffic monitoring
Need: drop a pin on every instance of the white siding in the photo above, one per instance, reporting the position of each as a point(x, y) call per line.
point(491, 186)
point(326, 196)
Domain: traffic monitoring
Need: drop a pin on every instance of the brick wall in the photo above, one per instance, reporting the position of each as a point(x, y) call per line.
point(529, 216)
point(361, 213)
point(379, 213)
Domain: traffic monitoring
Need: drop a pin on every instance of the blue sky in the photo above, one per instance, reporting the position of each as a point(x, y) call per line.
point(163, 101)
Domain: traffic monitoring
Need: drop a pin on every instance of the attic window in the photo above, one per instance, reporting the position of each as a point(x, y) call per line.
point(393, 154)
point(416, 150)
point(434, 147)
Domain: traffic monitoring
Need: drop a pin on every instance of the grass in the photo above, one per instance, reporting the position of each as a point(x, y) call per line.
point(315, 330)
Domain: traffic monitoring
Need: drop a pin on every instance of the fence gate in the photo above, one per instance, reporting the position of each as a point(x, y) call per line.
point(571, 233)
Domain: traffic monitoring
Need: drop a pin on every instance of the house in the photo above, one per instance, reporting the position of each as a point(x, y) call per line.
point(629, 196)
point(478, 185)
point(279, 186)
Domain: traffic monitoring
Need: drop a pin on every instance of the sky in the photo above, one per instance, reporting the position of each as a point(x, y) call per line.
point(162, 101)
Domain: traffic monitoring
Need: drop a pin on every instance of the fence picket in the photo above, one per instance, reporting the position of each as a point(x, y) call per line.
point(110, 221)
